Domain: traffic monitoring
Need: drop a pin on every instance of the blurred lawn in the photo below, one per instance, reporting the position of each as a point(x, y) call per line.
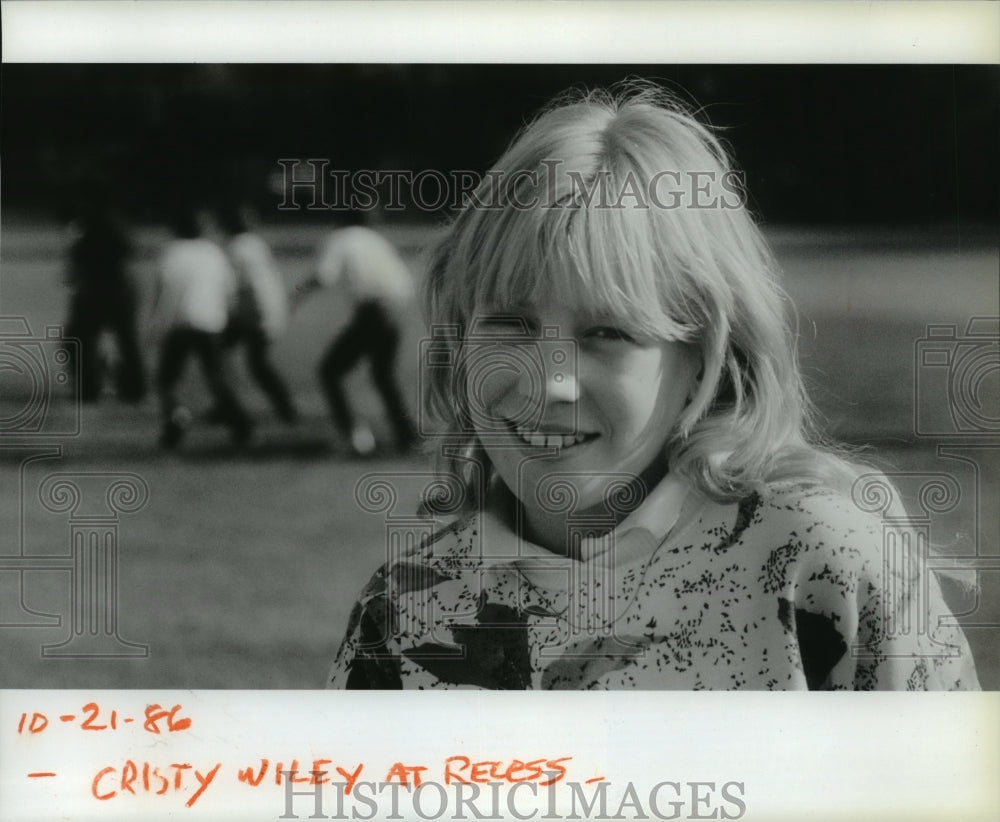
point(240, 570)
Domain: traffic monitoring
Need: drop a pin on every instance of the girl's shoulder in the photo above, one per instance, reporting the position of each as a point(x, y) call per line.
point(799, 519)
point(799, 541)
point(810, 505)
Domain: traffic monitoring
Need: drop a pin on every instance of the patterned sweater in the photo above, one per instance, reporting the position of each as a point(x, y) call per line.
point(795, 589)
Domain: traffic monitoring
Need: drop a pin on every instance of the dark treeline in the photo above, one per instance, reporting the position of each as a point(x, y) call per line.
point(830, 144)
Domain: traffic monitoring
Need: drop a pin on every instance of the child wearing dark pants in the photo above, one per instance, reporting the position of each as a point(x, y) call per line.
point(257, 348)
point(372, 275)
point(372, 333)
point(179, 345)
point(195, 294)
point(261, 314)
point(104, 298)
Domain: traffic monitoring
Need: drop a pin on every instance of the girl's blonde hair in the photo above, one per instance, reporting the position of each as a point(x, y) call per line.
point(622, 200)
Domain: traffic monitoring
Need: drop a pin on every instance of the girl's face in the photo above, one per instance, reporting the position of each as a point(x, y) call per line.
point(597, 407)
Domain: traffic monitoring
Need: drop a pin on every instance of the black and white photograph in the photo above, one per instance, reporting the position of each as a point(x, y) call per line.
point(499, 376)
point(300, 303)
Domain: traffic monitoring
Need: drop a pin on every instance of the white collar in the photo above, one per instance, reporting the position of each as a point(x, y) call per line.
point(635, 538)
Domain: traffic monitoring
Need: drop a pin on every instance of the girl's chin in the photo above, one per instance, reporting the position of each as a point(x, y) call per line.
point(593, 483)
point(586, 488)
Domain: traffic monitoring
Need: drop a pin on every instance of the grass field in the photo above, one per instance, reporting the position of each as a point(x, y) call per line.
point(240, 569)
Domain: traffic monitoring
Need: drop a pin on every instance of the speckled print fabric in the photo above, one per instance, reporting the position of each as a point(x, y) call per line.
point(788, 590)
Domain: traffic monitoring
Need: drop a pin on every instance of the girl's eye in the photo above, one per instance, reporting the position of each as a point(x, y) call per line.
point(610, 333)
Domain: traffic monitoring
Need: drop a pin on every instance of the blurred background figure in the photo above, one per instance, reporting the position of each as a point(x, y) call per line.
point(195, 294)
point(260, 314)
point(373, 276)
point(103, 298)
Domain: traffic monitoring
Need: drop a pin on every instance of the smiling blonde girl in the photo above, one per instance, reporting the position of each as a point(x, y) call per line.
point(640, 498)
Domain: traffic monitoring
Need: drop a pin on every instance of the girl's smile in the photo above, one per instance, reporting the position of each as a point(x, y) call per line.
point(552, 439)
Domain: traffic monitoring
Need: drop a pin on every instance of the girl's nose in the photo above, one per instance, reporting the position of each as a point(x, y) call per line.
point(560, 369)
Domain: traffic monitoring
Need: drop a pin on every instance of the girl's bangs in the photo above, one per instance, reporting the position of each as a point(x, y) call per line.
point(605, 262)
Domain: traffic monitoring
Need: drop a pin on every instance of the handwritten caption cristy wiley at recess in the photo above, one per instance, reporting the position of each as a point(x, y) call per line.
point(117, 780)
point(124, 755)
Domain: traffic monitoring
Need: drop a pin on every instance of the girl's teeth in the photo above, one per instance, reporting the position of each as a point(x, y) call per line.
point(538, 440)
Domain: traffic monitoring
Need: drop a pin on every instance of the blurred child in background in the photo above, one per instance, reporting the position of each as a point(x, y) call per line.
point(260, 316)
point(103, 299)
point(372, 275)
point(195, 295)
